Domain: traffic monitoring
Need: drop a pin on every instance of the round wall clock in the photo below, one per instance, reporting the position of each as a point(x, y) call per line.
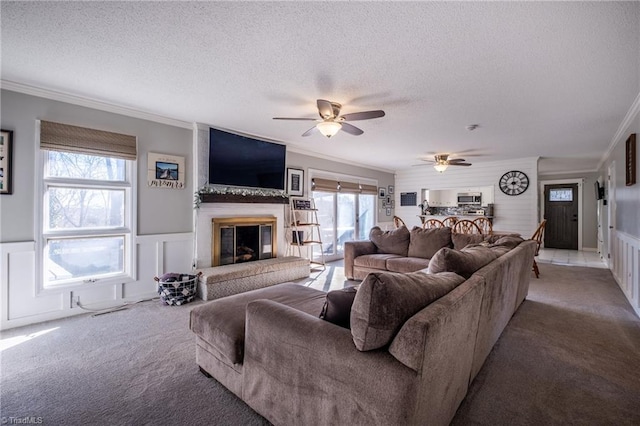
point(514, 182)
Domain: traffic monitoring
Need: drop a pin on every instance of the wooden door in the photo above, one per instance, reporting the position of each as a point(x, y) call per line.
point(561, 212)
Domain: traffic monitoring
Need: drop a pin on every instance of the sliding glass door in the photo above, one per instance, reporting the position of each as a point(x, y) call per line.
point(343, 217)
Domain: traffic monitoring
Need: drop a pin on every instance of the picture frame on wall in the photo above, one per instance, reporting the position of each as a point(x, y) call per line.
point(382, 193)
point(165, 171)
point(6, 147)
point(295, 182)
point(388, 211)
point(630, 160)
point(390, 191)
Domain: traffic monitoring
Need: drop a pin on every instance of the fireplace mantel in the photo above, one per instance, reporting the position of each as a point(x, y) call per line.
point(237, 198)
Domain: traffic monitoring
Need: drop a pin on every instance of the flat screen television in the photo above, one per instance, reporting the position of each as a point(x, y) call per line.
point(599, 191)
point(236, 160)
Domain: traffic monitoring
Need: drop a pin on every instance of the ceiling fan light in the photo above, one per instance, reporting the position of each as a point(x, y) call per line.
point(329, 128)
point(440, 167)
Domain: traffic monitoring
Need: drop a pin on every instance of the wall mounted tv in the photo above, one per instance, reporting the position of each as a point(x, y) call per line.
point(599, 191)
point(241, 161)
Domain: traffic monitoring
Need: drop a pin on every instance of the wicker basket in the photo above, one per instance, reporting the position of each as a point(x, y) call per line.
point(177, 289)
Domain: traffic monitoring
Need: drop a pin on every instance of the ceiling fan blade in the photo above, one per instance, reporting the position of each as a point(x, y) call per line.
point(326, 109)
point(352, 130)
point(364, 115)
point(459, 164)
point(457, 160)
point(310, 131)
point(292, 118)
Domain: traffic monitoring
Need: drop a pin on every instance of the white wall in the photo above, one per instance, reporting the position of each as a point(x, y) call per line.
point(624, 237)
point(511, 213)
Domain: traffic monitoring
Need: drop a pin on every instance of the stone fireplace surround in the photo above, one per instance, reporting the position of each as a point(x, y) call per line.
point(208, 211)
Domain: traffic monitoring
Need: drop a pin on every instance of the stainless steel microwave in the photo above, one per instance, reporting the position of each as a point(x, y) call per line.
point(469, 198)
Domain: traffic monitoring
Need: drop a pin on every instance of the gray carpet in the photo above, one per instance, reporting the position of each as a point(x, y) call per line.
point(570, 355)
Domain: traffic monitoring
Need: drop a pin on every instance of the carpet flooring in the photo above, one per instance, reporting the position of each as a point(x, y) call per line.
point(570, 355)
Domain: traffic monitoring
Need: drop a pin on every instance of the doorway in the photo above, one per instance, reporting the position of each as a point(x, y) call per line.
point(343, 217)
point(561, 212)
point(611, 212)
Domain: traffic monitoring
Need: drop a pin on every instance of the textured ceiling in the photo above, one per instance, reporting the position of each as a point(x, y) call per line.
point(551, 79)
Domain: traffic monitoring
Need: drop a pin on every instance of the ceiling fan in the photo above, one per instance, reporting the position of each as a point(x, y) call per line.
point(332, 122)
point(442, 161)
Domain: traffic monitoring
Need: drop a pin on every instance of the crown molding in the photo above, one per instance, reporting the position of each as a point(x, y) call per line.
point(620, 133)
point(92, 103)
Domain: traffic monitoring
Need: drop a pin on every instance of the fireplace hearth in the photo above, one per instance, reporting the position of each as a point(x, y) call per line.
point(242, 239)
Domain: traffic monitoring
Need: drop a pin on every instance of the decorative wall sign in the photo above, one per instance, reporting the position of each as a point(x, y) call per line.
point(165, 171)
point(630, 160)
point(295, 182)
point(6, 141)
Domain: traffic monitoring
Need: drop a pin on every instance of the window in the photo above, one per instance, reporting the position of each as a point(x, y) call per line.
point(561, 194)
point(86, 216)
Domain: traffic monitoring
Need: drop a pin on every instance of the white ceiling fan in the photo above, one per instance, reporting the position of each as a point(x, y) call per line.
point(442, 161)
point(332, 122)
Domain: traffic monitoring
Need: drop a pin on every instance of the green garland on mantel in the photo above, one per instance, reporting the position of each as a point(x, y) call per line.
point(239, 194)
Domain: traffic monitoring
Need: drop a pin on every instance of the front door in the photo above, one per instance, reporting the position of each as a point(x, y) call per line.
point(561, 212)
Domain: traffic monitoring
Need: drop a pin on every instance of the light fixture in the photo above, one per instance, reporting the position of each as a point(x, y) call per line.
point(329, 128)
point(441, 167)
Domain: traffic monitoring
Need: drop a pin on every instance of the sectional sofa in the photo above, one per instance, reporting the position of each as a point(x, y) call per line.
point(415, 340)
point(401, 250)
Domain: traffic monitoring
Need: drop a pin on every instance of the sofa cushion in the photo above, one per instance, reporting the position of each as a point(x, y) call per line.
point(406, 264)
point(337, 307)
point(393, 242)
point(460, 241)
point(463, 262)
point(509, 241)
point(221, 322)
point(425, 243)
point(385, 300)
point(375, 261)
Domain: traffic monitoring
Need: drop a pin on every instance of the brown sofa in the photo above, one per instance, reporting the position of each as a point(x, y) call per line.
point(402, 250)
point(416, 342)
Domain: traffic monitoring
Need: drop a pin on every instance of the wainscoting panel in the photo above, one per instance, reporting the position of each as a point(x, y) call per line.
point(20, 305)
point(18, 277)
point(626, 267)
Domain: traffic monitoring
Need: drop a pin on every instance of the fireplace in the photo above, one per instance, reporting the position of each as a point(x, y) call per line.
point(242, 239)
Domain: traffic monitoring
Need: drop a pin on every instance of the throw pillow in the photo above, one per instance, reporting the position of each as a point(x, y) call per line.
point(390, 242)
point(508, 241)
point(460, 241)
point(386, 300)
point(337, 306)
point(463, 262)
point(425, 243)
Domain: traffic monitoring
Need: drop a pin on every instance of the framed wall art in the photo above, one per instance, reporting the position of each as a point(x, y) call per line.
point(6, 181)
point(165, 171)
point(295, 182)
point(630, 160)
